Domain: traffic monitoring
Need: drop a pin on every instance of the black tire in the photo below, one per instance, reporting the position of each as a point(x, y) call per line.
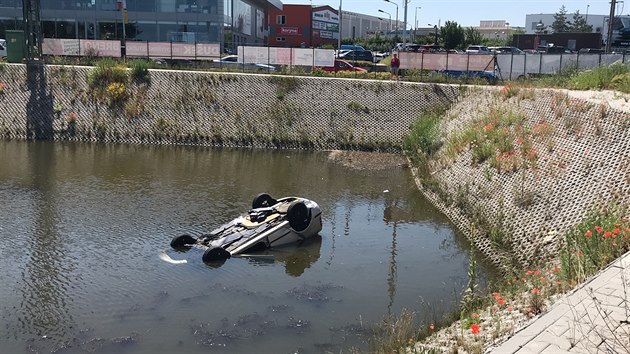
point(263, 200)
point(182, 240)
point(215, 254)
point(299, 216)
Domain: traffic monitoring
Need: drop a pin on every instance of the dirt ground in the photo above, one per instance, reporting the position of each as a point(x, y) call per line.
point(367, 160)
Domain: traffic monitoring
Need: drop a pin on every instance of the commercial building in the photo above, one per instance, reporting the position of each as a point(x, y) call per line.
point(303, 26)
point(232, 22)
point(359, 25)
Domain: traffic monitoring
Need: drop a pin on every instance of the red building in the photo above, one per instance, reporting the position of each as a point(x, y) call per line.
point(303, 26)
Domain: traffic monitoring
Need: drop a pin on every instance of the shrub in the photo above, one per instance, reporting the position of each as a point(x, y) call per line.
point(107, 72)
point(116, 91)
point(139, 69)
point(621, 82)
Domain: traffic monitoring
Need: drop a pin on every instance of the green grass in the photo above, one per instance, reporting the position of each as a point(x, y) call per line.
point(139, 69)
point(597, 78)
point(424, 136)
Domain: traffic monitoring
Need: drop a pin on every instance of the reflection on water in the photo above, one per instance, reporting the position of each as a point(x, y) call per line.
point(84, 225)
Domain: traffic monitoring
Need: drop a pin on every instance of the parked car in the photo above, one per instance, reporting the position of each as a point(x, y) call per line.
point(353, 55)
point(412, 47)
point(553, 49)
point(378, 56)
point(508, 50)
point(342, 65)
point(351, 47)
point(3, 48)
point(478, 49)
point(591, 51)
point(231, 61)
point(431, 48)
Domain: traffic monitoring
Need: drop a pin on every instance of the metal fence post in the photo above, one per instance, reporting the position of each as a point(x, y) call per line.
point(511, 65)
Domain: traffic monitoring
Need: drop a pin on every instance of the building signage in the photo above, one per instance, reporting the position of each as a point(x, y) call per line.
point(325, 16)
point(326, 26)
point(326, 34)
point(289, 31)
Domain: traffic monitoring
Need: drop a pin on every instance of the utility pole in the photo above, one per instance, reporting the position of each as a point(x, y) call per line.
point(32, 29)
point(611, 18)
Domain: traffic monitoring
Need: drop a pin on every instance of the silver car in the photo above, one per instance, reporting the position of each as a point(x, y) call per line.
point(231, 61)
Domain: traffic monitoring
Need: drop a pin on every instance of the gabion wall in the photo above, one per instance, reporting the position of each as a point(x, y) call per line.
point(582, 165)
point(217, 109)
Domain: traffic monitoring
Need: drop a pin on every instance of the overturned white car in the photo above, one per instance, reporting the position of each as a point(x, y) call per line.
point(270, 223)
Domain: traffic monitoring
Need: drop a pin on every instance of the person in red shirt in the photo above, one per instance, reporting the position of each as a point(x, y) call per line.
point(395, 64)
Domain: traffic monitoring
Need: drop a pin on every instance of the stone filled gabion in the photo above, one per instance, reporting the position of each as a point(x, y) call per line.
point(582, 166)
point(215, 109)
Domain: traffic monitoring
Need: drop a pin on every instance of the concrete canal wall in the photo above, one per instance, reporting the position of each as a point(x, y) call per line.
point(567, 155)
point(215, 109)
point(570, 152)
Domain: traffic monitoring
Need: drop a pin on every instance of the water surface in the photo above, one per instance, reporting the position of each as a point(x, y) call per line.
point(82, 225)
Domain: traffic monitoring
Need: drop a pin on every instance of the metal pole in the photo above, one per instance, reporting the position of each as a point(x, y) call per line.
point(389, 1)
point(123, 47)
point(611, 18)
point(405, 26)
point(339, 39)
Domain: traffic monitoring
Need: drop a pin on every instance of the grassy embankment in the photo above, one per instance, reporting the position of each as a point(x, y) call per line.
point(503, 141)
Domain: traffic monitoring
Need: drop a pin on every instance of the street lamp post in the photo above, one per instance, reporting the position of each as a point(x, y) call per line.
point(393, 3)
point(390, 18)
point(586, 20)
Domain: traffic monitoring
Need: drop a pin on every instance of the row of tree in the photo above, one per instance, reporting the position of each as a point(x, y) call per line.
point(453, 36)
point(562, 24)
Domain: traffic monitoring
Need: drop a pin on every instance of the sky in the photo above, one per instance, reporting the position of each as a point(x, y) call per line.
point(468, 12)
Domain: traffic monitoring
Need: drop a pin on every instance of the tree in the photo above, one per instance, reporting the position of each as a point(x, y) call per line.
point(472, 36)
point(560, 23)
point(579, 23)
point(452, 35)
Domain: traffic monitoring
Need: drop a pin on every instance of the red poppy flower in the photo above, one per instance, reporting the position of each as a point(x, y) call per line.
point(474, 328)
point(607, 234)
point(616, 231)
point(588, 233)
point(599, 229)
point(535, 290)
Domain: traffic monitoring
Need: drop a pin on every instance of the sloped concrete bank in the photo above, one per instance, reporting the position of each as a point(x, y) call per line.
point(214, 109)
point(570, 155)
point(579, 143)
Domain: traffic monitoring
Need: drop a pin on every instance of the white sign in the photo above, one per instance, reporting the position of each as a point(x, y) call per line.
point(325, 16)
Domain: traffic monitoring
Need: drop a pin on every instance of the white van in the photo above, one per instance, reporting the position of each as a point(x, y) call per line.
point(3, 48)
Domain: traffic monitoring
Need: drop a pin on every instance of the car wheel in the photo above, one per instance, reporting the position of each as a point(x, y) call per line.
point(182, 240)
point(263, 200)
point(215, 254)
point(299, 216)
